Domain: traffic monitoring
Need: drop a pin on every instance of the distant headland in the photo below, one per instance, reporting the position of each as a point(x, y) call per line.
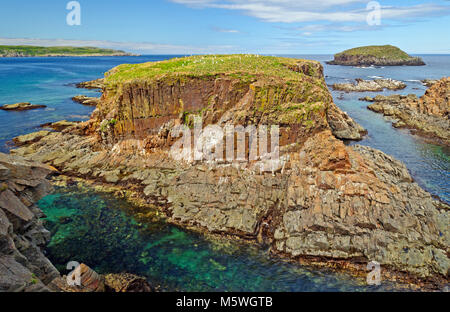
point(36, 51)
point(386, 55)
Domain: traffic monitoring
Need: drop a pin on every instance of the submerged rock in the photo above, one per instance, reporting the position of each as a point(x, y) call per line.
point(21, 106)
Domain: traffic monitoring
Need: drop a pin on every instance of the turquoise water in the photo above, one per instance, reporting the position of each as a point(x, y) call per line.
point(99, 230)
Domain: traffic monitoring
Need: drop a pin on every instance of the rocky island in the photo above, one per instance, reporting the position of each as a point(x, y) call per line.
point(325, 204)
point(427, 116)
point(36, 51)
point(386, 55)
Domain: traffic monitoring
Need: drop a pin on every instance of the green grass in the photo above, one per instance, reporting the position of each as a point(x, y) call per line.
point(386, 51)
point(40, 51)
point(245, 67)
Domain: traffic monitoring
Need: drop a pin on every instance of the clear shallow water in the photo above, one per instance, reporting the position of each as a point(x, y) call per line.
point(100, 233)
point(99, 230)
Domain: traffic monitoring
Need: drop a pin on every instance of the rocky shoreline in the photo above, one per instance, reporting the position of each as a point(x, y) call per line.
point(427, 116)
point(23, 237)
point(341, 204)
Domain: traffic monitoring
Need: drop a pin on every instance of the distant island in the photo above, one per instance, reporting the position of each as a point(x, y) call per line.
point(386, 55)
point(33, 51)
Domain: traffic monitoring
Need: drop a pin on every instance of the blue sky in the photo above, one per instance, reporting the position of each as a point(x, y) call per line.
point(230, 26)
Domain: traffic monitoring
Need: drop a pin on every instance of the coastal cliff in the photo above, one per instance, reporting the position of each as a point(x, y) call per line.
point(375, 56)
point(326, 203)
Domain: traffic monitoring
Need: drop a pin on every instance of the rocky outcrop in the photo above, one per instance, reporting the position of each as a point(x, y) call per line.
point(375, 56)
point(91, 281)
point(86, 100)
point(58, 126)
point(23, 266)
point(429, 82)
point(323, 200)
point(427, 116)
point(369, 85)
point(21, 106)
point(93, 84)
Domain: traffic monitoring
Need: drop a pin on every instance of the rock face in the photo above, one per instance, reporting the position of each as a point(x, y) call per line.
point(325, 200)
point(428, 116)
point(20, 106)
point(23, 266)
point(369, 85)
point(375, 56)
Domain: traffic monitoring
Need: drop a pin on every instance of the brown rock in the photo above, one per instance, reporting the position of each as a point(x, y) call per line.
point(20, 106)
point(126, 282)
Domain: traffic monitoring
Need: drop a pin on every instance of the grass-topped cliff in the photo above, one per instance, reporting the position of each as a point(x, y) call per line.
point(29, 51)
point(238, 89)
point(386, 55)
point(243, 66)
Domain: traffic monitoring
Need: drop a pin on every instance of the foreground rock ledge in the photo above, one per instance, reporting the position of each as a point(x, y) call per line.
point(330, 202)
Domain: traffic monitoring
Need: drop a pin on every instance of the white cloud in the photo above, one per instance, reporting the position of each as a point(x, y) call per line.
point(292, 11)
point(138, 47)
point(229, 31)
